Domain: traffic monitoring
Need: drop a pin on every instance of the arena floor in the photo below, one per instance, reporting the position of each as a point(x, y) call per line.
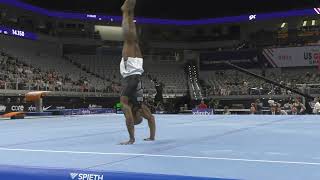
point(229, 147)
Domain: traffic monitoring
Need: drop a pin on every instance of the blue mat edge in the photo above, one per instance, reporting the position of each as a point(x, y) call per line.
point(37, 173)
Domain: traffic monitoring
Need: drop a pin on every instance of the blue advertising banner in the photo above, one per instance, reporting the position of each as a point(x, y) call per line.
point(87, 111)
point(26, 173)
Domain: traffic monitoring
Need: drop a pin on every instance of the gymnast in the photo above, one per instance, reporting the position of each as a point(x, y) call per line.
point(131, 69)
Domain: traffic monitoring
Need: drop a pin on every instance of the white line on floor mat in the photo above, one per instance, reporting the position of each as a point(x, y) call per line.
point(164, 156)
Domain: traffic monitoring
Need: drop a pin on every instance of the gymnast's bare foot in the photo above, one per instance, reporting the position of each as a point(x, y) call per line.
point(130, 142)
point(128, 5)
point(149, 139)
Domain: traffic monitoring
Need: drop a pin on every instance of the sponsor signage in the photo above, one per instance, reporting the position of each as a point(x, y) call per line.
point(203, 112)
point(17, 108)
point(82, 176)
point(3, 108)
point(87, 111)
point(293, 56)
point(32, 108)
point(252, 17)
point(27, 173)
point(13, 108)
point(6, 108)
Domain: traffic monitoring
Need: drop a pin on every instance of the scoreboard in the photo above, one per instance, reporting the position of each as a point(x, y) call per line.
point(17, 33)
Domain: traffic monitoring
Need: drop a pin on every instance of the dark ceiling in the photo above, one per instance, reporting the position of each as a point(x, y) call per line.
point(177, 9)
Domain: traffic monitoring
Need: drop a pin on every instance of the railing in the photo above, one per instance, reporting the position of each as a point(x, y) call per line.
point(36, 87)
point(309, 88)
point(312, 89)
point(57, 90)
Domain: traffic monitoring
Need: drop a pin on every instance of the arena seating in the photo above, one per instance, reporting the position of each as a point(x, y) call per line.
point(107, 66)
point(47, 58)
point(95, 73)
point(231, 82)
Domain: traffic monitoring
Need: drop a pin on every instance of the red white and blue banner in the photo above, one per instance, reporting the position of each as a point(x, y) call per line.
point(293, 56)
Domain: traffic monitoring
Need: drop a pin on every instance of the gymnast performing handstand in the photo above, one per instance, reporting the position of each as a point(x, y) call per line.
point(131, 69)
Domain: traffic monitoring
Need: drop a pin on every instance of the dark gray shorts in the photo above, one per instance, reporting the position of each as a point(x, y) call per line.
point(132, 89)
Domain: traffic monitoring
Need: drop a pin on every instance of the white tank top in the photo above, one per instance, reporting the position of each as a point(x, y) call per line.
point(132, 66)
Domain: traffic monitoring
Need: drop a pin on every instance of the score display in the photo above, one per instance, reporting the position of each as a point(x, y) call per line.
point(18, 33)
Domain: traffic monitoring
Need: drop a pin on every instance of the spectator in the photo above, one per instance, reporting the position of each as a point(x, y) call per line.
point(273, 107)
point(298, 107)
point(202, 105)
point(258, 106)
point(287, 107)
point(280, 111)
point(226, 111)
point(276, 108)
point(253, 108)
point(294, 110)
point(316, 109)
point(18, 100)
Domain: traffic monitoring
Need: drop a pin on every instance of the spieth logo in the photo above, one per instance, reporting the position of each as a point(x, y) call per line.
point(17, 33)
point(80, 176)
point(73, 175)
